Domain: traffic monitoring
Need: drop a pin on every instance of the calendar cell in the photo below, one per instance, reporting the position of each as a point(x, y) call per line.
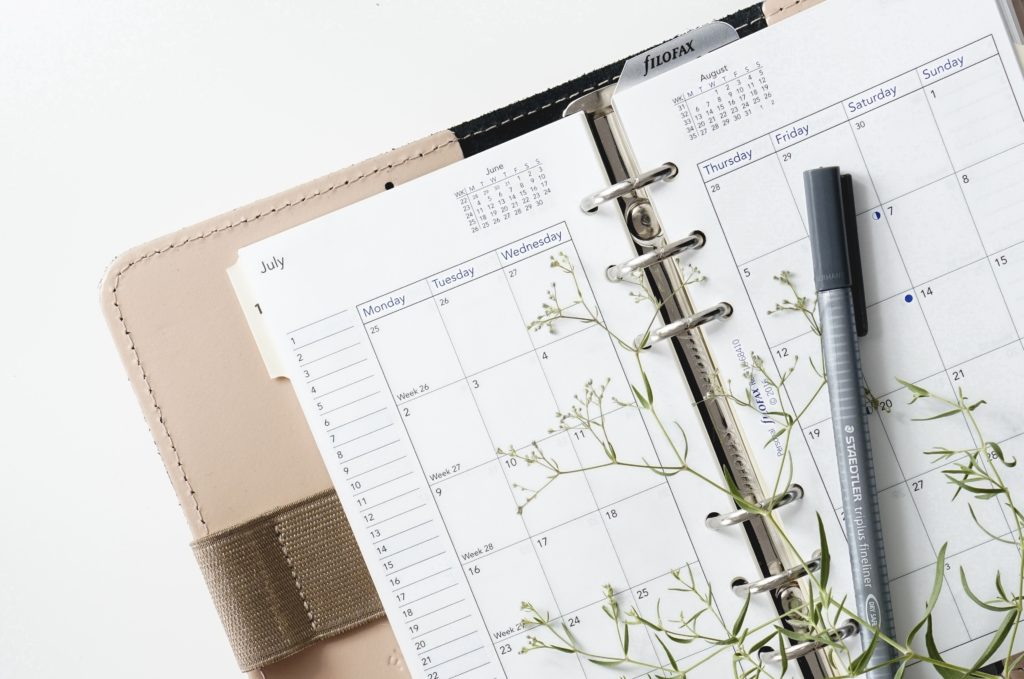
point(907, 547)
point(596, 630)
point(658, 549)
point(500, 604)
point(805, 386)
point(910, 439)
point(484, 322)
point(836, 146)
point(901, 146)
point(627, 433)
point(967, 314)
point(576, 359)
point(537, 663)
point(934, 230)
point(432, 365)
point(908, 596)
point(765, 292)
point(887, 468)
point(756, 202)
point(992, 188)
point(934, 496)
point(894, 323)
point(883, 269)
point(1013, 477)
point(678, 599)
point(980, 92)
point(450, 437)
point(1009, 269)
point(980, 566)
point(572, 498)
point(823, 451)
point(532, 418)
point(823, 447)
point(476, 529)
point(996, 377)
point(580, 560)
point(531, 281)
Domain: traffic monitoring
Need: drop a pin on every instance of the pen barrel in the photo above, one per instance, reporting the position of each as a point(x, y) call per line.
point(856, 471)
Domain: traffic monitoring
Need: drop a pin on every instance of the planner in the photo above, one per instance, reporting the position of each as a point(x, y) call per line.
point(598, 187)
point(486, 356)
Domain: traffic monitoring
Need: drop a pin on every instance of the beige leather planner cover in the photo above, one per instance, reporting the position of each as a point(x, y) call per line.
point(234, 442)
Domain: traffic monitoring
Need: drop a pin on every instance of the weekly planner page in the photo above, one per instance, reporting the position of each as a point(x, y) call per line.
point(404, 325)
point(920, 101)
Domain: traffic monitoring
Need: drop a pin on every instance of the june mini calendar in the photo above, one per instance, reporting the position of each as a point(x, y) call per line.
point(419, 361)
point(504, 193)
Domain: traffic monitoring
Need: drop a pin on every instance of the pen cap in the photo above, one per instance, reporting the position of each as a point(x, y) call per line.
point(825, 217)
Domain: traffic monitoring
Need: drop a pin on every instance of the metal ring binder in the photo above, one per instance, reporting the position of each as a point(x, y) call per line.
point(618, 272)
point(742, 588)
point(717, 521)
point(662, 173)
point(721, 310)
point(845, 631)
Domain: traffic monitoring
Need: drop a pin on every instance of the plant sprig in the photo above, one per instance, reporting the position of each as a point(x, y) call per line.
point(975, 471)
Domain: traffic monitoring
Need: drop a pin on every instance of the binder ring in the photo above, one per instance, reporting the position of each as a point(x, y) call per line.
point(618, 272)
point(718, 521)
point(662, 173)
point(721, 310)
point(796, 651)
point(742, 588)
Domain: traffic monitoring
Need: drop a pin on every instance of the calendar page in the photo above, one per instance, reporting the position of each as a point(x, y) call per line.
point(920, 102)
point(403, 325)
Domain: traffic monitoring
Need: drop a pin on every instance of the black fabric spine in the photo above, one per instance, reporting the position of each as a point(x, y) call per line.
point(538, 110)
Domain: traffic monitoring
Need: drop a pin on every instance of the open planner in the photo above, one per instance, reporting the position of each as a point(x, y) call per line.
point(455, 340)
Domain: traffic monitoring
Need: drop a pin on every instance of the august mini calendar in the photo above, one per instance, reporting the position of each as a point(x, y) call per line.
point(545, 420)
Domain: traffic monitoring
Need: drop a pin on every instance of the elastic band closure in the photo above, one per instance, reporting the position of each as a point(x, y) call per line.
point(287, 579)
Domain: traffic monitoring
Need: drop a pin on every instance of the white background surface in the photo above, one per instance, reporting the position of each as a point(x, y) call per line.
point(122, 121)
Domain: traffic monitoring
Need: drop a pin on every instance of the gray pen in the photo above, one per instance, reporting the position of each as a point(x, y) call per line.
point(834, 283)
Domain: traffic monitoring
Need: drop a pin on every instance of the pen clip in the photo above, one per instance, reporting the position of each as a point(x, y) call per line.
point(860, 306)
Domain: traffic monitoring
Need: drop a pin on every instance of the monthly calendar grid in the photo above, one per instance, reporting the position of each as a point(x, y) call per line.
point(467, 378)
point(960, 175)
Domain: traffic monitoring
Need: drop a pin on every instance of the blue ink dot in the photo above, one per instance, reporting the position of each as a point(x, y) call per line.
point(908, 299)
point(876, 215)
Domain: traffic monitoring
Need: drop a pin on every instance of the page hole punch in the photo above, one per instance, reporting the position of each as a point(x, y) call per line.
point(636, 266)
point(716, 521)
point(663, 173)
